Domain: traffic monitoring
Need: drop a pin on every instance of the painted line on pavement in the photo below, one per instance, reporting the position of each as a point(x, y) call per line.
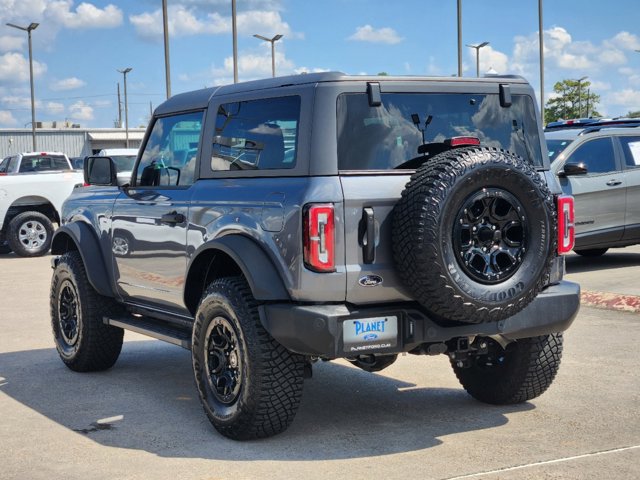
point(546, 462)
point(611, 301)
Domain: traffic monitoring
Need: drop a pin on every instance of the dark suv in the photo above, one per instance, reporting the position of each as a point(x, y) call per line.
point(272, 224)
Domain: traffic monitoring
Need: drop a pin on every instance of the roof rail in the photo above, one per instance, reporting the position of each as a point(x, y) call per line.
point(597, 128)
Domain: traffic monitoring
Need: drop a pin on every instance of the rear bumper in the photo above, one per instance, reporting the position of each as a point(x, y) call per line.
point(318, 329)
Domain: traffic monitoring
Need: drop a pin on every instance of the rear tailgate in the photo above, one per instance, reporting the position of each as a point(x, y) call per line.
point(368, 204)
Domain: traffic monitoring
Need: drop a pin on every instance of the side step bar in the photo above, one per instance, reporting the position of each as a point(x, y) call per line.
point(159, 330)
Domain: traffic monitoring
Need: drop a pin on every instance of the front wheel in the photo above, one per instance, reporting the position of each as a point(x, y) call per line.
point(249, 385)
point(83, 341)
point(520, 372)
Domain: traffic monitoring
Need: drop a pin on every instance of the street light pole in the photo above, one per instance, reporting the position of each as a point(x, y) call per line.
point(126, 106)
point(459, 38)
point(234, 32)
point(478, 47)
point(580, 80)
point(167, 70)
point(29, 29)
point(541, 44)
point(272, 41)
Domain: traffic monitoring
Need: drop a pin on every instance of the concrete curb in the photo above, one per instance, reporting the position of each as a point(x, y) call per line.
point(611, 301)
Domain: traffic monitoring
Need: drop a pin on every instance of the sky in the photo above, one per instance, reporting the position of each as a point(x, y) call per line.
point(79, 47)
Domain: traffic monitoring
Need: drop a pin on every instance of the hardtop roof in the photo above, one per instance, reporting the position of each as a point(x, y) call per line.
point(199, 99)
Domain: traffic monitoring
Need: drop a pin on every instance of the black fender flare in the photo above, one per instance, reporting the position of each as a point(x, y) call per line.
point(261, 274)
point(88, 245)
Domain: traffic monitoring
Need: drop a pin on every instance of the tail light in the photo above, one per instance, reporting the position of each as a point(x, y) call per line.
point(462, 141)
point(319, 237)
point(566, 225)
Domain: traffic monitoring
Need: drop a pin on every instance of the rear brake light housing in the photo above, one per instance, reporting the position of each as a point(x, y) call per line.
point(319, 237)
point(462, 141)
point(566, 224)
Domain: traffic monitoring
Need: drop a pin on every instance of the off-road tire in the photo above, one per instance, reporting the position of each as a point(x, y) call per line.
point(521, 372)
point(249, 385)
point(83, 341)
point(435, 212)
point(591, 252)
point(22, 226)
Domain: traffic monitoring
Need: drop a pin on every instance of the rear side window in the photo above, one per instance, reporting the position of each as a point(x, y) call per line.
point(388, 136)
point(170, 155)
point(256, 134)
point(597, 155)
point(556, 147)
point(4, 165)
point(43, 163)
point(631, 148)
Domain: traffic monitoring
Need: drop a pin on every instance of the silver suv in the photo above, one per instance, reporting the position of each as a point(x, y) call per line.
point(272, 224)
point(600, 166)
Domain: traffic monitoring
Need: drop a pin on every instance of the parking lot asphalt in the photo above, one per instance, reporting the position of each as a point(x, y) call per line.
point(142, 418)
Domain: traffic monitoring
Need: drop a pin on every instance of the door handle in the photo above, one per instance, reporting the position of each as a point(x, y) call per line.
point(172, 218)
point(614, 182)
point(368, 235)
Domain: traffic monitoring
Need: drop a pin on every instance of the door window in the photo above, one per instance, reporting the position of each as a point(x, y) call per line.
point(170, 155)
point(597, 155)
point(631, 149)
point(256, 135)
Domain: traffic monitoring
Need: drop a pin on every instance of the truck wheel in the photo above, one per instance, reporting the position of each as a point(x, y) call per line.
point(521, 371)
point(30, 234)
point(83, 341)
point(249, 385)
point(474, 235)
point(591, 252)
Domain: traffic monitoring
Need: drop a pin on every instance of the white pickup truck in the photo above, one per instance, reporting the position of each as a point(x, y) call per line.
point(30, 203)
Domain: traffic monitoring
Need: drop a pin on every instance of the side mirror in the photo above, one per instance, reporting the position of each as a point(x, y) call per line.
point(100, 171)
point(570, 169)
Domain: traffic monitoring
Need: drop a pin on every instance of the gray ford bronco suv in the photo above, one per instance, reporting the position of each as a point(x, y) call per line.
point(272, 224)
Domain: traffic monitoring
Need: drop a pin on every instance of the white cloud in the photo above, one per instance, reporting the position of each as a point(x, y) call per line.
point(14, 68)
point(627, 98)
point(54, 108)
point(86, 15)
point(81, 111)
point(9, 43)
point(367, 33)
point(626, 40)
point(612, 56)
point(300, 70)
point(70, 83)
point(251, 65)
point(185, 21)
point(490, 59)
point(7, 119)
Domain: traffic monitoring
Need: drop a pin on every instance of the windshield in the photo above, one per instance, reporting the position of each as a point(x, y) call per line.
point(556, 147)
point(388, 136)
point(124, 163)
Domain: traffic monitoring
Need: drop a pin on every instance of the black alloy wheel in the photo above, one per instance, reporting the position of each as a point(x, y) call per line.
point(490, 235)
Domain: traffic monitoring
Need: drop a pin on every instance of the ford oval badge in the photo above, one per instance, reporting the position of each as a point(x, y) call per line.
point(370, 280)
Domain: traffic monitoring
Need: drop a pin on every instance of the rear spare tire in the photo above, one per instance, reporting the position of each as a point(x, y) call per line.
point(473, 235)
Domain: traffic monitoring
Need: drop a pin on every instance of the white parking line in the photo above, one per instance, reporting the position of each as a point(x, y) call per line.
point(546, 462)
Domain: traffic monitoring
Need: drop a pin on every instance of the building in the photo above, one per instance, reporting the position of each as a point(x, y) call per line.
point(75, 142)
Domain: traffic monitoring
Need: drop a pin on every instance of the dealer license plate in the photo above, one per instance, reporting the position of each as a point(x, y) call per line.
point(370, 334)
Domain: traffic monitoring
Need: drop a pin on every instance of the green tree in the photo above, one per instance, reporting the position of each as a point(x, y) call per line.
point(573, 99)
point(635, 114)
